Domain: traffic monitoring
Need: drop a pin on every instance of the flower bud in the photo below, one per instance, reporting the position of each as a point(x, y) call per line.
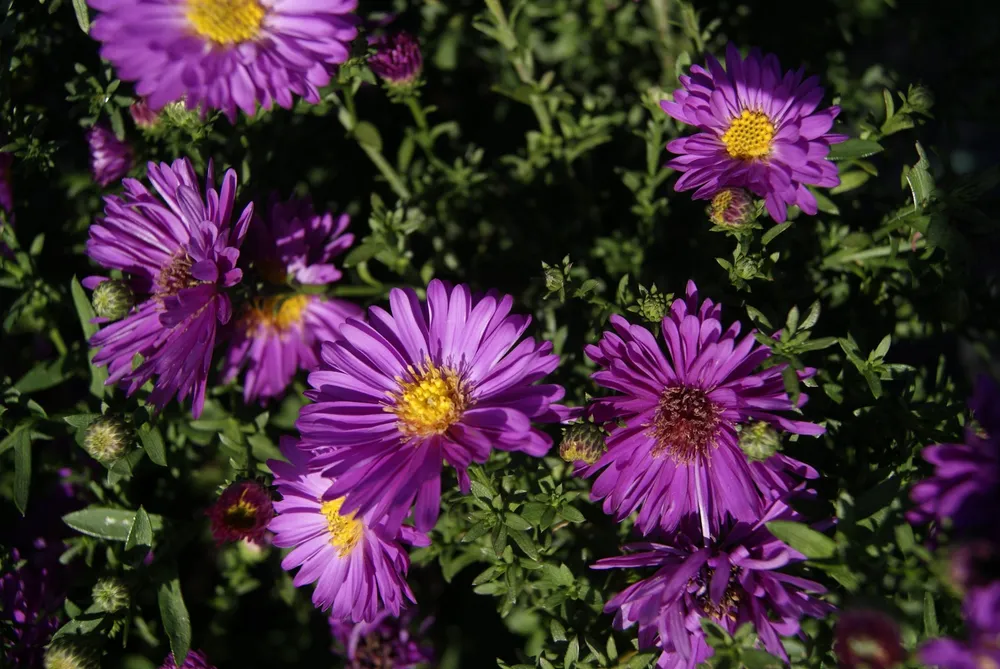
point(731, 207)
point(397, 59)
point(759, 441)
point(582, 442)
point(142, 115)
point(106, 439)
point(112, 300)
point(920, 98)
point(111, 595)
point(867, 639)
point(67, 656)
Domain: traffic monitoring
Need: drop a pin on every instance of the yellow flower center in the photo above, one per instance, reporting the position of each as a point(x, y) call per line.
point(277, 313)
point(749, 136)
point(242, 515)
point(431, 402)
point(720, 203)
point(345, 531)
point(226, 21)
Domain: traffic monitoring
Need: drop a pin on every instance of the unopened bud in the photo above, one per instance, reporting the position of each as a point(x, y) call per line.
point(112, 300)
point(143, 116)
point(106, 439)
point(111, 595)
point(67, 656)
point(653, 306)
point(759, 441)
point(920, 98)
point(867, 639)
point(397, 59)
point(582, 442)
point(731, 207)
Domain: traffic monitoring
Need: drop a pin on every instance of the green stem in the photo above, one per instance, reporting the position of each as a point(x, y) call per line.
point(350, 121)
point(423, 132)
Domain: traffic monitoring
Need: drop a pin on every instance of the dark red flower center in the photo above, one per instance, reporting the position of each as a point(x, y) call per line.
point(685, 424)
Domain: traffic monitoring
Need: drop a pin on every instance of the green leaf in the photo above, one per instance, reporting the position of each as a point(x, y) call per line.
point(642, 660)
point(124, 467)
point(42, 376)
point(930, 616)
point(106, 523)
point(141, 532)
point(367, 135)
point(85, 312)
point(152, 443)
point(525, 543)
point(82, 17)
point(81, 420)
point(176, 621)
point(557, 630)
point(759, 659)
point(22, 470)
point(850, 180)
point(804, 539)
point(825, 204)
point(572, 653)
point(571, 513)
point(516, 522)
point(770, 235)
point(854, 148)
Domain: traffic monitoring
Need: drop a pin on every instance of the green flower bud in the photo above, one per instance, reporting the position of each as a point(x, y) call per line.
point(759, 441)
point(582, 442)
point(106, 439)
point(66, 656)
point(653, 306)
point(920, 98)
point(111, 595)
point(113, 300)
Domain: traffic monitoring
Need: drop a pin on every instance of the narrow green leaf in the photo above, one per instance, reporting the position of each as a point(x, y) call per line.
point(771, 234)
point(85, 312)
point(22, 470)
point(525, 543)
point(572, 653)
point(850, 180)
point(82, 17)
point(124, 467)
point(825, 204)
point(81, 420)
point(854, 148)
point(804, 539)
point(930, 617)
point(557, 630)
point(106, 523)
point(141, 532)
point(176, 621)
point(152, 443)
point(516, 522)
point(571, 513)
point(368, 135)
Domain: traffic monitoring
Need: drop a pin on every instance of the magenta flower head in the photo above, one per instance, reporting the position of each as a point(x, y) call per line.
point(438, 381)
point(397, 58)
point(242, 511)
point(358, 566)
point(965, 487)
point(277, 336)
point(732, 581)
point(6, 192)
point(384, 642)
point(225, 54)
point(110, 157)
point(180, 249)
point(758, 129)
point(195, 660)
point(678, 455)
point(868, 639)
point(980, 649)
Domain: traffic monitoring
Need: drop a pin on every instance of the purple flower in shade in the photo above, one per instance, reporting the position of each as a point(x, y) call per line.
point(868, 639)
point(358, 567)
point(277, 336)
point(981, 649)
point(438, 381)
point(397, 57)
point(733, 580)
point(759, 130)
point(965, 487)
point(181, 250)
point(195, 660)
point(6, 193)
point(383, 642)
point(678, 455)
point(29, 601)
point(225, 54)
point(242, 511)
point(110, 158)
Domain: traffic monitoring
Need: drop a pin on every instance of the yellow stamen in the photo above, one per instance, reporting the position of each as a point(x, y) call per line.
point(277, 313)
point(749, 136)
point(226, 21)
point(345, 531)
point(241, 515)
point(431, 402)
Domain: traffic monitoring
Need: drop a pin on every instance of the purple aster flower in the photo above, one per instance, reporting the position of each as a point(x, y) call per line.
point(195, 660)
point(181, 250)
point(277, 336)
point(110, 158)
point(383, 642)
point(732, 581)
point(6, 193)
point(397, 57)
point(678, 456)
point(965, 488)
point(438, 381)
point(225, 54)
point(981, 648)
point(759, 130)
point(242, 511)
point(358, 567)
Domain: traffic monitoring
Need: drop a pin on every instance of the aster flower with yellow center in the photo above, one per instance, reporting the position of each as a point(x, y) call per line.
point(673, 450)
point(225, 54)
point(437, 381)
point(759, 129)
point(358, 565)
point(275, 337)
